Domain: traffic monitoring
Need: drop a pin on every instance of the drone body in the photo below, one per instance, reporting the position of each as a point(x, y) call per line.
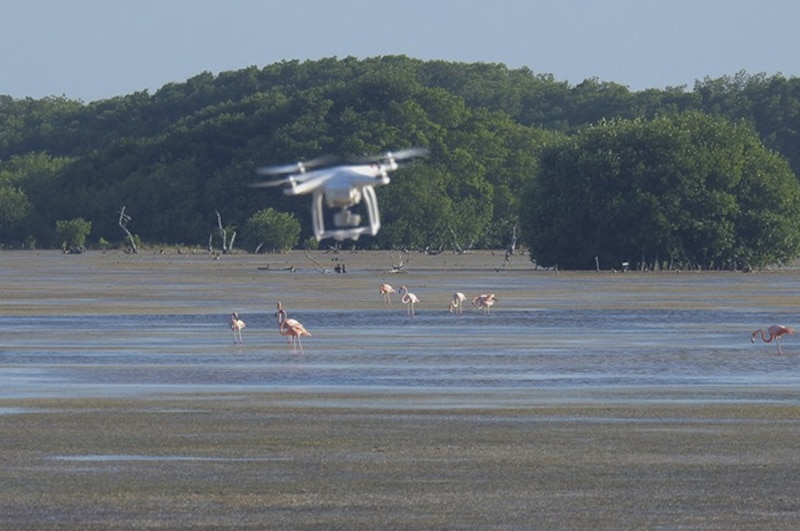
point(339, 188)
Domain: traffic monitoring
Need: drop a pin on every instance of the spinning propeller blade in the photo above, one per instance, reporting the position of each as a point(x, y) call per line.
point(274, 182)
point(298, 167)
point(409, 153)
point(398, 156)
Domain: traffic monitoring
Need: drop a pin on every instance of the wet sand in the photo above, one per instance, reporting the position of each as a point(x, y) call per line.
point(699, 458)
point(267, 461)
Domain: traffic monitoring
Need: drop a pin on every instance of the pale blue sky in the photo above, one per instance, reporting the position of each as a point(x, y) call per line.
point(96, 49)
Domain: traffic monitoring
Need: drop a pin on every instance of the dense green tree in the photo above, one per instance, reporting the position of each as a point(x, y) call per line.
point(271, 230)
point(26, 211)
point(14, 209)
point(687, 189)
point(190, 148)
point(73, 233)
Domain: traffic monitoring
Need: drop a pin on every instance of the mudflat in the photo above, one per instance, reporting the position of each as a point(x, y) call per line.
point(374, 459)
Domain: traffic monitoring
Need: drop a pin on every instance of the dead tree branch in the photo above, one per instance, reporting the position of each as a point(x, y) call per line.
point(456, 247)
point(320, 267)
point(123, 223)
point(226, 245)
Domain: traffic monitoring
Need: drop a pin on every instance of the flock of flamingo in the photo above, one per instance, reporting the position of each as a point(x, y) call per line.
point(294, 329)
point(483, 301)
point(291, 328)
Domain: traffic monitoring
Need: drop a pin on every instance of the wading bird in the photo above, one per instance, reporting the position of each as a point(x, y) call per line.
point(409, 299)
point(237, 325)
point(773, 332)
point(291, 328)
point(457, 303)
point(386, 291)
point(484, 301)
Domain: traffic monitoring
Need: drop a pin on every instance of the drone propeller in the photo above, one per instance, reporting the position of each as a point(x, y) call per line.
point(409, 153)
point(298, 167)
point(397, 156)
point(274, 182)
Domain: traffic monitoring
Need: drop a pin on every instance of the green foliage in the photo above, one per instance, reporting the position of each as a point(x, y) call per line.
point(73, 233)
point(26, 186)
point(14, 208)
point(688, 190)
point(272, 230)
point(190, 148)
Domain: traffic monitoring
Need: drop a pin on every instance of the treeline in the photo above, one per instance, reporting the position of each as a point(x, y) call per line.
point(177, 157)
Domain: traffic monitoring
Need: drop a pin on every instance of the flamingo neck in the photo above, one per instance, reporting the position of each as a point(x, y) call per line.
point(766, 338)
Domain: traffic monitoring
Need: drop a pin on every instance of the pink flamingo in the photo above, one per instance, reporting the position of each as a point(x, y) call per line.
point(386, 290)
point(409, 299)
point(773, 332)
point(237, 325)
point(457, 303)
point(291, 328)
point(484, 301)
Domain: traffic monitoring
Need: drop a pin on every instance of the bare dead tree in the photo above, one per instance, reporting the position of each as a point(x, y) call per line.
point(320, 267)
point(226, 245)
point(513, 245)
point(397, 267)
point(123, 223)
point(456, 246)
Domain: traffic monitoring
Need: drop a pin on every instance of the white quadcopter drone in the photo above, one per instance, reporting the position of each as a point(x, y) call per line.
point(339, 188)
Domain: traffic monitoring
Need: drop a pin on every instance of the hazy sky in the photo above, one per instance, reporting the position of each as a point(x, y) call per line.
point(96, 49)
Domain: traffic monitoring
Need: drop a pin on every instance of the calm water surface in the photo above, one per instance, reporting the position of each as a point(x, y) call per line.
point(549, 338)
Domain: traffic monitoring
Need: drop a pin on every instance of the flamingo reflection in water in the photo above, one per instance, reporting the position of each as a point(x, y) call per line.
point(291, 328)
point(774, 332)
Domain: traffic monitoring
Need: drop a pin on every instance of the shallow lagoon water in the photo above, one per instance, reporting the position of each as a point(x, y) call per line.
point(589, 336)
point(637, 397)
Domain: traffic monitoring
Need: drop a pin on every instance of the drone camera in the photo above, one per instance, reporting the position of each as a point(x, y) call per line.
point(345, 218)
point(342, 197)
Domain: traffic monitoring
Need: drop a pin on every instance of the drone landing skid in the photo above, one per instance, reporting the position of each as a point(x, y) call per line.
point(347, 223)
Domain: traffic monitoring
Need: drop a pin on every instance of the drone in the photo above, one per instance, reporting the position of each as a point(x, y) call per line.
point(338, 188)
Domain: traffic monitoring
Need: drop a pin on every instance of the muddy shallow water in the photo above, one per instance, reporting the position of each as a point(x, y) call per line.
point(591, 400)
point(113, 324)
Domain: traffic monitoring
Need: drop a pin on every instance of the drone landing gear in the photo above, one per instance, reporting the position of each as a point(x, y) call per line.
point(347, 223)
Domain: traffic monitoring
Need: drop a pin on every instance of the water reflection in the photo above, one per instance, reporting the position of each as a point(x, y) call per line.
point(536, 349)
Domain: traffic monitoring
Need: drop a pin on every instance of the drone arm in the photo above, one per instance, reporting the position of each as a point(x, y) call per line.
point(371, 201)
point(304, 187)
point(316, 215)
